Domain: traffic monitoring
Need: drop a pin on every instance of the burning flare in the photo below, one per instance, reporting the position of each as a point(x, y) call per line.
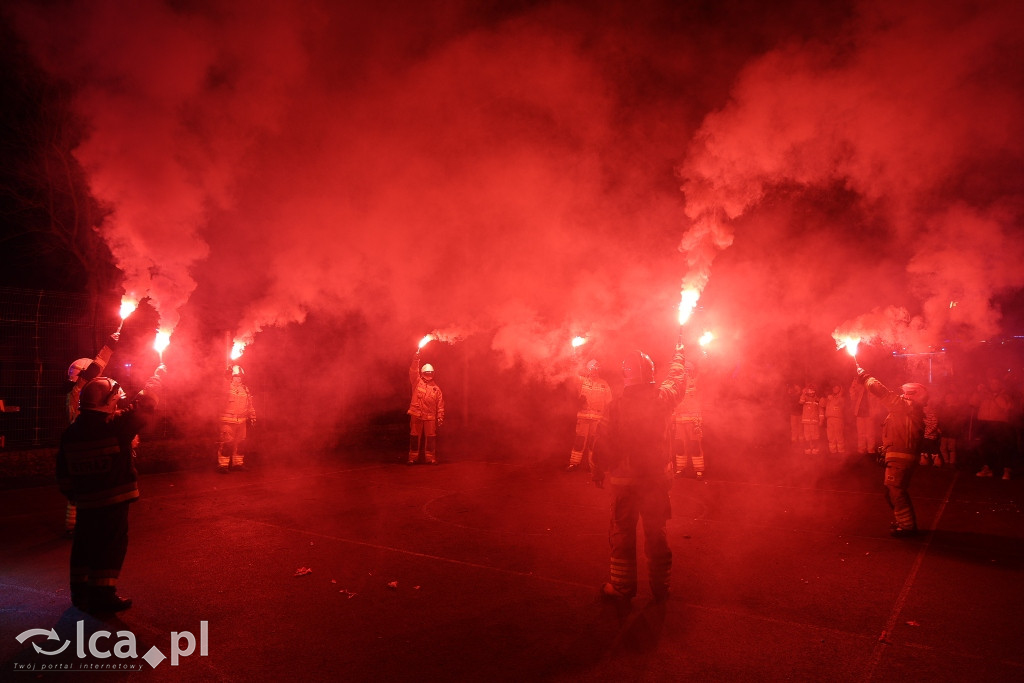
point(578, 342)
point(426, 340)
point(237, 348)
point(848, 342)
point(163, 338)
point(128, 306)
point(687, 304)
point(705, 339)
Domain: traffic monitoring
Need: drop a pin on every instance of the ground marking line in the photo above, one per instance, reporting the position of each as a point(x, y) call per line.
point(882, 645)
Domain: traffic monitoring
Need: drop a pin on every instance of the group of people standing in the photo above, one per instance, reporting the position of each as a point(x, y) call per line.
point(982, 428)
point(818, 422)
point(685, 443)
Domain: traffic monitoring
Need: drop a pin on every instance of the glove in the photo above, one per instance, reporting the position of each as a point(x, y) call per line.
point(114, 338)
point(862, 374)
point(161, 370)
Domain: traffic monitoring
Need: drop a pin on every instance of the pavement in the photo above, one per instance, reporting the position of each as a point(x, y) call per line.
point(352, 566)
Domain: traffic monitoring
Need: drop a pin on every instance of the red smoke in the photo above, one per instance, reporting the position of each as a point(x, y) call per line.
point(514, 173)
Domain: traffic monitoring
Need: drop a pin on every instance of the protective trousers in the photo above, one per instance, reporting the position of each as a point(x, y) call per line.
point(866, 434)
point(586, 436)
point(98, 547)
point(422, 433)
point(232, 434)
point(898, 472)
point(70, 517)
point(645, 502)
point(835, 430)
point(686, 445)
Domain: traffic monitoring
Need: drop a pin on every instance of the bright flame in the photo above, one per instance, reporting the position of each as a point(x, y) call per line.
point(426, 340)
point(847, 342)
point(578, 342)
point(236, 349)
point(705, 339)
point(687, 304)
point(128, 306)
point(163, 338)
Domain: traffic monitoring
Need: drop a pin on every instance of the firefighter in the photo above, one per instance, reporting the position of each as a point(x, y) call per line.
point(426, 412)
point(835, 420)
point(595, 394)
point(95, 468)
point(812, 417)
point(860, 404)
point(80, 373)
point(902, 432)
point(687, 431)
point(237, 415)
point(633, 454)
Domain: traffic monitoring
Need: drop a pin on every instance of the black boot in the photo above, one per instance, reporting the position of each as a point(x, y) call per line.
point(105, 600)
point(80, 595)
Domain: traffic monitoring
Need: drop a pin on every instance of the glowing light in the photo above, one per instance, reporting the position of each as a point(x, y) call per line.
point(426, 340)
point(128, 306)
point(847, 342)
point(578, 342)
point(687, 304)
point(163, 339)
point(237, 348)
point(705, 339)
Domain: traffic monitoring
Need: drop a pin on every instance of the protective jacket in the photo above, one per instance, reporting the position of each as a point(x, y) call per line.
point(835, 406)
point(595, 395)
point(95, 465)
point(688, 408)
point(239, 406)
point(633, 439)
point(859, 403)
point(813, 409)
point(427, 402)
point(903, 426)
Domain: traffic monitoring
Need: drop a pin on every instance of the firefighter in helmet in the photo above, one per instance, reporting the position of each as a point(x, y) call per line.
point(237, 414)
point(426, 412)
point(902, 432)
point(812, 417)
point(633, 454)
point(80, 373)
point(95, 468)
point(687, 431)
point(595, 394)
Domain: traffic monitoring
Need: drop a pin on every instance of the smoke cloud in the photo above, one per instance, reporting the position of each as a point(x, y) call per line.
point(909, 121)
point(328, 183)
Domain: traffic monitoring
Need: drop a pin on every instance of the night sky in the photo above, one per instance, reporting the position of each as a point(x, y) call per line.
point(519, 173)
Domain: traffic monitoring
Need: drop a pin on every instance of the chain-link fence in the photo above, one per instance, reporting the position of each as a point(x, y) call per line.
point(41, 333)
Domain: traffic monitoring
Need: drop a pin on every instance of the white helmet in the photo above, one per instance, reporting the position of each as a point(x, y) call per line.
point(427, 369)
point(76, 368)
point(101, 395)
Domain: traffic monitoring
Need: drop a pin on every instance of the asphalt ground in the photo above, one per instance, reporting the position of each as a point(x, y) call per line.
point(485, 568)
